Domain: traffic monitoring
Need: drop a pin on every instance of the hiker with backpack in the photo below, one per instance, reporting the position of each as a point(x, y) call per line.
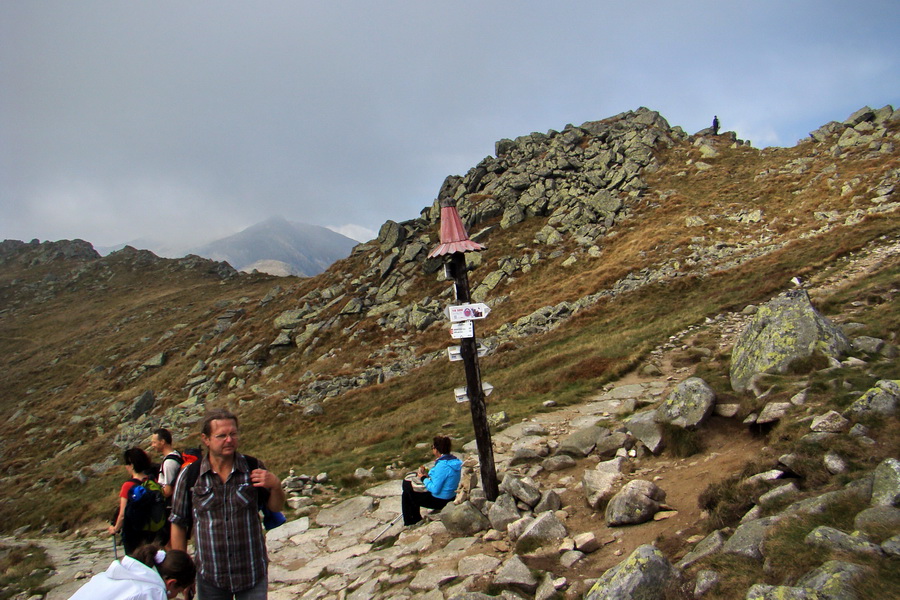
point(150, 574)
point(218, 499)
point(141, 512)
point(161, 441)
point(169, 468)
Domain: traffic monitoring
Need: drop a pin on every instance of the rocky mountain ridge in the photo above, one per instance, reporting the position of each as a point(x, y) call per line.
point(576, 223)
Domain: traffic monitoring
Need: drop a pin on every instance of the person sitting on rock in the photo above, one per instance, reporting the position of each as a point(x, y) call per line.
point(439, 483)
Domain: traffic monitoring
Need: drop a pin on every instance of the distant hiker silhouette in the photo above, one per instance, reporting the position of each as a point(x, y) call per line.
point(715, 125)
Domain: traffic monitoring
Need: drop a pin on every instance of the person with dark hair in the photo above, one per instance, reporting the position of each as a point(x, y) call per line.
point(715, 125)
point(137, 463)
point(439, 484)
point(148, 574)
point(161, 441)
point(221, 507)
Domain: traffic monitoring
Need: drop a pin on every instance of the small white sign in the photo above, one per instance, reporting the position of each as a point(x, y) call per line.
point(467, 312)
point(462, 396)
point(466, 329)
point(454, 353)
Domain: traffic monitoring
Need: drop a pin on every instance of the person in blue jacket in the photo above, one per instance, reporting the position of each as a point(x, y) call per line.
point(440, 483)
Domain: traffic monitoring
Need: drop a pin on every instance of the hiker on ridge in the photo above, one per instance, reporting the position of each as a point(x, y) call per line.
point(161, 441)
point(715, 125)
point(218, 498)
point(137, 463)
point(439, 483)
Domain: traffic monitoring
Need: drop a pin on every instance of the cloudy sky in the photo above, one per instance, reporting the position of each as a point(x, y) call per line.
point(169, 120)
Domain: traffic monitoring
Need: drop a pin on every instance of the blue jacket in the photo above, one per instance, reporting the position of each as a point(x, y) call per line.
point(444, 477)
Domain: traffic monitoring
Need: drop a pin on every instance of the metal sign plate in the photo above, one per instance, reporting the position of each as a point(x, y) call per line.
point(467, 312)
point(465, 329)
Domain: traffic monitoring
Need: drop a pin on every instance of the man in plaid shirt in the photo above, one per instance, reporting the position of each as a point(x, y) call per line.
point(222, 508)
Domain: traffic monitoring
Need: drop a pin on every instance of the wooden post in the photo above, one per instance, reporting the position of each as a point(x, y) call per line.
point(469, 352)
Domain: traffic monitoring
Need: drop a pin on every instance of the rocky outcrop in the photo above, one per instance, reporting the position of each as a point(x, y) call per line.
point(786, 330)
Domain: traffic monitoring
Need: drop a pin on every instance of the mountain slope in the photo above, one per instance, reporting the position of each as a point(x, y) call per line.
point(303, 249)
point(603, 241)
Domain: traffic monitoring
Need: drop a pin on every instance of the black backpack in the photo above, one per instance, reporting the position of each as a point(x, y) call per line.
point(145, 509)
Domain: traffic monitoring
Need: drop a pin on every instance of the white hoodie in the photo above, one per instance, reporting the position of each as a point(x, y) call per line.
point(128, 579)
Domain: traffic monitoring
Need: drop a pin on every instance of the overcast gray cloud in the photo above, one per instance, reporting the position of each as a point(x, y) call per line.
point(121, 120)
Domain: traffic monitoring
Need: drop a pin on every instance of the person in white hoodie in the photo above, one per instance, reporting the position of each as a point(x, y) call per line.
point(149, 574)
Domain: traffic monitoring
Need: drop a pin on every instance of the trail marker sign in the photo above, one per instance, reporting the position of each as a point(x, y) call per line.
point(465, 329)
point(467, 312)
point(454, 353)
point(461, 395)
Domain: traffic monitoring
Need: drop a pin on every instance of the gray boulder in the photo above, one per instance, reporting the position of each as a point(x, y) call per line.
point(689, 404)
point(748, 538)
point(880, 401)
point(711, 544)
point(877, 519)
point(784, 330)
point(644, 575)
point(515, 573)
point(635, 503)
point(582, 442)
point(520, 489)
point(891, 546)
point(463, 519)
point(544, 530)
point(763, 591)
point(550, 500)
point(143, 404)
point(503, 512)
point(560, 462)
point(599, 487)
point(645, 427)
point(886, 483)
point(834, 580)
point(836, 540)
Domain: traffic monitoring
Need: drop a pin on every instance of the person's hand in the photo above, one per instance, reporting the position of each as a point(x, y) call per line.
point(264, 478)
point(111, 530)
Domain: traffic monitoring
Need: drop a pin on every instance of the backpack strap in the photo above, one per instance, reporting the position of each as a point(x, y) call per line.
point(262, 494)
point(192, 473)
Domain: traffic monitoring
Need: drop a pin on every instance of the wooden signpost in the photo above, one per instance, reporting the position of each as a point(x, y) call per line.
point(455, 243)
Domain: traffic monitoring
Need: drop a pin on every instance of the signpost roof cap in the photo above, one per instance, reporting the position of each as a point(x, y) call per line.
point(454, 237)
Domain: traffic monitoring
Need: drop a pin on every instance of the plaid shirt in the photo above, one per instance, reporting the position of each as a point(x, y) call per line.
point(230, 548)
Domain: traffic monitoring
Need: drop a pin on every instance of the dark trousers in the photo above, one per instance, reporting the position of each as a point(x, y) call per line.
point(412, 500)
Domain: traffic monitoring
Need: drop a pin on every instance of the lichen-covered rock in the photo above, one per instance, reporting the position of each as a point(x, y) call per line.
point(784, 330)
point(644, 575)
point(689, 404)
point(886, 483)
point(635, 503)
point(748, 538)
point(880, 401)
point(836, 540)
